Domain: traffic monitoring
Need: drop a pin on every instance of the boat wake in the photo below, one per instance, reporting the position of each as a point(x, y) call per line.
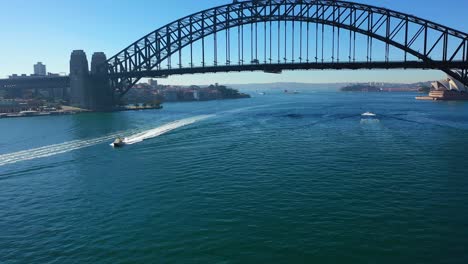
point(163, 129)
point(56, 149)
point(51, 150)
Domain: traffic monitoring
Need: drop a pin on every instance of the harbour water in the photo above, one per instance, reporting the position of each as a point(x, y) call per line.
point(297, 178)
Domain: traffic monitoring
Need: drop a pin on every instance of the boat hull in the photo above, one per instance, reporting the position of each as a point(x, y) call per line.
point(118, 143)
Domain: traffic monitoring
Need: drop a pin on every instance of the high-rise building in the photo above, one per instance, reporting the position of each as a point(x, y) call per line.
point(40, 69)
point(153, 83)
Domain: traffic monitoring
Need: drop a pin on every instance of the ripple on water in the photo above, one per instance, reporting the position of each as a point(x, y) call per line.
point(283, 183)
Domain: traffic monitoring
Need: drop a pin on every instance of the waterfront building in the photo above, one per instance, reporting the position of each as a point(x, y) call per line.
point(448, 85)
point(196, 95)
point(187, 95)
point(170, 95)
point(448, 89)
point(153, 83)
point(447, 95)
point(16, 106)
point(40, 69)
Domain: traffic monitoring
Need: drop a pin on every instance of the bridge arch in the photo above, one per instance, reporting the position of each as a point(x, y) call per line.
point(425, 44)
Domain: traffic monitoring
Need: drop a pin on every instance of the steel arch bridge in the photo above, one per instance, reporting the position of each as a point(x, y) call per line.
point(277, 35)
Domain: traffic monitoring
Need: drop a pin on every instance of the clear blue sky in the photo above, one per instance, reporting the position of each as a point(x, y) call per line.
point(48, 30)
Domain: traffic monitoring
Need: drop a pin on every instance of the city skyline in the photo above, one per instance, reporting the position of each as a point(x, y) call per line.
point(98, 29)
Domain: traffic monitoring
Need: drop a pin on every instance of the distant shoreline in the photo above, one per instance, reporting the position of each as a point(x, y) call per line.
point(68, 110)
point(73, 111)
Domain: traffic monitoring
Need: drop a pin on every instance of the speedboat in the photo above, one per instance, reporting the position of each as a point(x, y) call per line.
point(368, 114)
point(118, 143)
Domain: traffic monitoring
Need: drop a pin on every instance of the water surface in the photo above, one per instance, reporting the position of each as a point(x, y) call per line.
point(272, 179)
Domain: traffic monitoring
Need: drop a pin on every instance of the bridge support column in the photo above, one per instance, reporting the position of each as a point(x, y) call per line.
point(101, 93)
point(90, 90)
point(79, 75)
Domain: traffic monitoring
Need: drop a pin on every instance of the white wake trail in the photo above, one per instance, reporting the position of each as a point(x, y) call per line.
point(55, 149)
point(52, 150)
point(61, 148)
point(155, 132)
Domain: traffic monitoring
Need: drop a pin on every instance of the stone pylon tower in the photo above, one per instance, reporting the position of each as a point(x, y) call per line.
point(79, 76)
point(90, 90)
point(102, 95)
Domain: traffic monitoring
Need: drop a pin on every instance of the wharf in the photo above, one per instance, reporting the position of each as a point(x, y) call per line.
point(69, 110)
point(425, 98)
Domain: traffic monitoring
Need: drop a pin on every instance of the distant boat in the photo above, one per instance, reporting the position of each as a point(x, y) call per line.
point(368, 114)
point(118, 143)
point(28, 113)
point(262, 93)
point(294, 92)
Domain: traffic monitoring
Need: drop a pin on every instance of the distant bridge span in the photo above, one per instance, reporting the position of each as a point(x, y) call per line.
point(277, 35)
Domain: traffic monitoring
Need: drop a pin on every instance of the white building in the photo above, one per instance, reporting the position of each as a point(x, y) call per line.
point(448, 84)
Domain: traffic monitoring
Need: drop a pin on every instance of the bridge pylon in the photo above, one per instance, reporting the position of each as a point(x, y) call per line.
point(90, 89)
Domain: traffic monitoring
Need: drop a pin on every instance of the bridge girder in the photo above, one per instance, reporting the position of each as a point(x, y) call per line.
point(433, 45)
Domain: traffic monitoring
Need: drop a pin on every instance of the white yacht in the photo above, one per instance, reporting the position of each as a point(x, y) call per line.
point(368, 115)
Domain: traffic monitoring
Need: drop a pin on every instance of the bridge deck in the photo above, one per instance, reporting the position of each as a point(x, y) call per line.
point(279, 67)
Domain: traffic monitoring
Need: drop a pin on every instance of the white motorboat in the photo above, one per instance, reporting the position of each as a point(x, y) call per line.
point(368, 114)
point(118, 143)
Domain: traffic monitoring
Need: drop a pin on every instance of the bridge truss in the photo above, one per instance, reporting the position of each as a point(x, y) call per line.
point(276, 35)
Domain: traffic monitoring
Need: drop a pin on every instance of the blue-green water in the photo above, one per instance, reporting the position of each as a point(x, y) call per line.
point(272, 179)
